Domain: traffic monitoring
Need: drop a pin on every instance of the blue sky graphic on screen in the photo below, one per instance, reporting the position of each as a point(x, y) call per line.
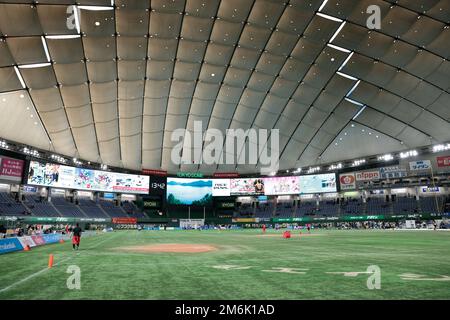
point(189, 191)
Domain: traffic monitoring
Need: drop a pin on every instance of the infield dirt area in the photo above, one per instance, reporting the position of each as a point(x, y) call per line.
point(169, 247)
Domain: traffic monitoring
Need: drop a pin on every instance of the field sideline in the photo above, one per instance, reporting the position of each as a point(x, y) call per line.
point(245, 265)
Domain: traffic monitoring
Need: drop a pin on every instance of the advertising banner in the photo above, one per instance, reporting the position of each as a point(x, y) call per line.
point(221, 188)
point(368, 175)
point(245, 220)
point(60, 176)
point(151, 204)
point(151, 172)
point(393, 172)
point(430, 189)
point(10, 245)
point(443, 161)
point(225, 205)
point(318, 183)
point(247, 186)
point(226, 175)
point(347, 181)
point(38, 240)
point(282, 185)
point(27, 241)
point(420, 165)
point(51, 238)
point(124, 220)
point(11, 169)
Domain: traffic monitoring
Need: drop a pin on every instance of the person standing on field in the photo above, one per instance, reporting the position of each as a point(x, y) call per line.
point(76, 237)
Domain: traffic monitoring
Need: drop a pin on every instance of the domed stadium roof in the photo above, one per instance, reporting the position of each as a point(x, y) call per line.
point(110, 81)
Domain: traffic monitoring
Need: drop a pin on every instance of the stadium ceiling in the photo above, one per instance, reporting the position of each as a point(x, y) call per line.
point(141, 69)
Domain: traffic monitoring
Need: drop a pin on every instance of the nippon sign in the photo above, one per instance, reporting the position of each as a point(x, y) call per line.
point(368, 175)
point(347, 181)
point(420, 165)
point(443, 161)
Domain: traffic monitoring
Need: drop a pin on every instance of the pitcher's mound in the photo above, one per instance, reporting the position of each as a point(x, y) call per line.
point(169, 247)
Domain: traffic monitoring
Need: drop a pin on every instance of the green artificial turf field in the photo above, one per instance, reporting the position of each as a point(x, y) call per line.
point(246, 265)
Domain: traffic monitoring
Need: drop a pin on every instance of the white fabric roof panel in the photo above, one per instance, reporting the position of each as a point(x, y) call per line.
point(116, 91)
point(9, 80)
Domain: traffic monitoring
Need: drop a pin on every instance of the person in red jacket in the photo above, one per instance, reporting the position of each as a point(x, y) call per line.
point(264, 228)
point(76, 237)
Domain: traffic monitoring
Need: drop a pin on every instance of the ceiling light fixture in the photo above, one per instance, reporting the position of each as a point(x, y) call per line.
point(337, 31)
point(347, 76)
point(326, 16)
point(95, 8)
point(44, 44)
point(354, 102)
point(359, 112)
point(63, 36)
point(20, 77)
point(77, 18)
point(353, 88)
point(345, 61)
point(35, 65)
point(323, 5)
point(338, 48)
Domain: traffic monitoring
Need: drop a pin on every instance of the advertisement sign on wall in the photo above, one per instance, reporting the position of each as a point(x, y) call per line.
point(221, 188)
point(443, 161)
point(10, 245)
point(124, 220)
point(247, 186)
point(393, 172)
point(11, 169)
point(282, 185)
point(347, 181)
point(59, 176)
point(27, 241)
point(420, 165)
point(319, 183)
point(368, 175)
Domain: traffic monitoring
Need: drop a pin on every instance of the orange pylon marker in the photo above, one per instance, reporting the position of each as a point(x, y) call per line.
point(61, 241)
point(50, 261)
point(27, 248)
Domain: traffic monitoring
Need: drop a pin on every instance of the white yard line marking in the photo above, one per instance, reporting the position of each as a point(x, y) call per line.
point(31, 276)
point(45, 269)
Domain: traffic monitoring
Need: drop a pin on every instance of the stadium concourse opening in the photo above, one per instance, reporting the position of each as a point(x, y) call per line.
point(224, 150)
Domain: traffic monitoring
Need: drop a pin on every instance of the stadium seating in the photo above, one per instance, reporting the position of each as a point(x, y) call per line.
point(245, 210)
point(9, 206)
point(132, 210)
point(66, 208)
point(431, 204)
point(264, 210)
point(352, 207)
point(284, 210)
point(111, 210)
point(39, 206)
point(405, 205)
point(328, 207)
point(378, 206)
point(306, 208)
point(91, 209)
